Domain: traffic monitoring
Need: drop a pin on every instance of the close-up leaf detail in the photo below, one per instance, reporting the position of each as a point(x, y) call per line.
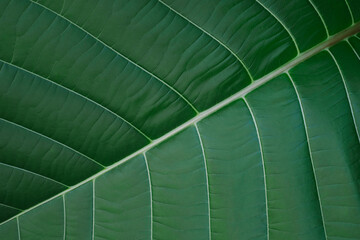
point(180, 119)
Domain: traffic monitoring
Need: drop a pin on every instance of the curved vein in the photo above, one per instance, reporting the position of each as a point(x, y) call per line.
point(151, 196)
point(64, 205)
point(321, 18)
point(34, 173)
point(78, 94)
point(52, 140)
point(239, 95)
point(282, 24)
point(8, 206)
point(263, 166)
point(93, 208)
point(206, 174)
point(310, 152)
point(119, 54)
point(211, 36)
point(347, 93)
point(351, 14)
point(351, 46)
point(18, 227)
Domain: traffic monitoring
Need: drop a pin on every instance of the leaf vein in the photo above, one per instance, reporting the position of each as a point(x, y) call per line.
point(78, 94)
point(302, 57)
point(120, 54)
point(211, 36)
point(8, 206)
point(282, 24)
point(347, 93)
point(206, 175)
point(310, 151)
point(321, 18)
point(151, 196)
point(33, 173)
point(263, 167)
point(51, 139)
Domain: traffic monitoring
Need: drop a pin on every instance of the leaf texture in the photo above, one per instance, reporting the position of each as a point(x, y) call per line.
point(179, 119)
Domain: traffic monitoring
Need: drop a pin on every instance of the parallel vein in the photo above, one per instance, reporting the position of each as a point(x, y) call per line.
point(51, 139)
point(93, 211)
point(351, 46)
point(212, 36)
point(321, 18)
point(263, 167)
point(351, 14)
point(8, 206)
point(347, 93)
point(64, 207)
point(18, 227)
point(151, 197)
point(78, 94)
point(302, 57)
point(207, 177)
point(33, 173)
point(119, 54)
point(310, 152)
point(282, 24)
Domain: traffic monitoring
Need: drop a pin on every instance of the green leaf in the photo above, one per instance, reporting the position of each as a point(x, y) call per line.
point(156, 119)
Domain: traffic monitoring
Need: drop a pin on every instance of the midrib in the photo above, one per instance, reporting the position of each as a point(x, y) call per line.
point(300, 58)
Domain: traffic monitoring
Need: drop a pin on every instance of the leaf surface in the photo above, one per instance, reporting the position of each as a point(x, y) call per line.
point(179, 119)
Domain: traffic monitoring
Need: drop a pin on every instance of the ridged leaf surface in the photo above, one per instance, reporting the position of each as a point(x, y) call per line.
point(154, 119)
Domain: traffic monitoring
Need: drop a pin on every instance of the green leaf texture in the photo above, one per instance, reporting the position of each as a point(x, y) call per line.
point(154, 119)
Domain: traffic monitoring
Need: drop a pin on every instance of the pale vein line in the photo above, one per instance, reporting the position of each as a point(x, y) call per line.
point(310, 152)
point(263, 166)
point(64, 207)
point(347, 40)
point(93, 206)
point(282, 24)
point(210, 35)
point(120, 54)
point(351, 14)
point(356, 36)
point(78, 94)
point(11, 207)
point(321, 18)
point(51, 139)
point(206, 175)
point(62, 6)
point(151, 196)
point(33, 173)
point(347, 93)
point(302, 57)
point(18, 227)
